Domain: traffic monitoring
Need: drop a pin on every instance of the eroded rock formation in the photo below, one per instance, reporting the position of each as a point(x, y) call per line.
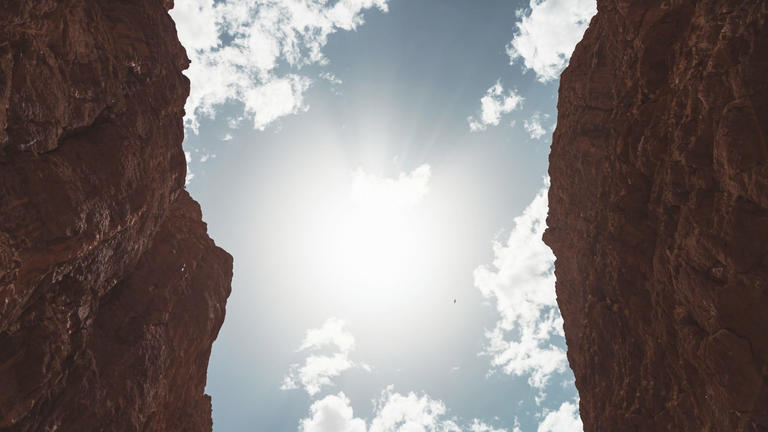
point(659, 216)
point(111, 292)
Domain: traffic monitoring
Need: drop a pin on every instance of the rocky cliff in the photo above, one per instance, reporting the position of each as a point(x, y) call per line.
point(111, 292)
point(659, 215)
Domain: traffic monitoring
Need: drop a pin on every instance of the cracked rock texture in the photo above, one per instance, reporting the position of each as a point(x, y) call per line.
point(659, 216)
point(111, 292)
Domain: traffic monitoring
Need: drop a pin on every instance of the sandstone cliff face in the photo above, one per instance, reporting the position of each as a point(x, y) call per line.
point(111, 292)
point(659, 215)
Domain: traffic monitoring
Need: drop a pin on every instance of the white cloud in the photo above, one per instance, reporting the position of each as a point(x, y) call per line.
point(564, 419)
point(404, 413)
point(332, 333)
point(393, 412)
point(241, 49)
point(234, 122)
point(331, 78)
point(332, 414)
point(478, 426)
point(522, 282)
point(534, 127)
point(395, 194)
point(318, 370)
point(195, 24)
point(547, 34)
point(493, 105)
point(190, 175)
point(277, 98)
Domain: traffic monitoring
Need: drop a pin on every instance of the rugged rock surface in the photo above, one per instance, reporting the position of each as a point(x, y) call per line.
point(111, 292)
point(659, 215)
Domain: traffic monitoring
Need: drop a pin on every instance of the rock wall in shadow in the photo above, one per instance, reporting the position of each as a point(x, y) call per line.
point(111, 292)
point(659, 216)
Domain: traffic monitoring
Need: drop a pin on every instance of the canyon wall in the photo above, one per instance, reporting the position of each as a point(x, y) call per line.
point(111, 292)
point(659, 216)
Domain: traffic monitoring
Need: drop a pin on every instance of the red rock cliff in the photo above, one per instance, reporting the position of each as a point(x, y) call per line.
point(111, 292)
point(659, 216)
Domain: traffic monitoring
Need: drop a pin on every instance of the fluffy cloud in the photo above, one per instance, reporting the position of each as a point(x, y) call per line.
point(522, 282)
point(403, 191)
point(493, 105)
point(564, 419)
point(241, 49)
point(396, 412)
point(278, 97)
point(190, 175)
point(332, 333)
point(331, 78)
point(403, 413)
point(547, 33)
point(533, 126)
point(332, 414)
point(393, 412)
point(319, 369)
point(478, 426)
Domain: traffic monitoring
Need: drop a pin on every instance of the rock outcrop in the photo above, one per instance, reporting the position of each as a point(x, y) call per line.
point(659, 216)
point(111, 292)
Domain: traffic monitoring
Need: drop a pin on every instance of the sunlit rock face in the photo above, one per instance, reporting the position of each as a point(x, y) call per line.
point(111, 292)
point(659, 216)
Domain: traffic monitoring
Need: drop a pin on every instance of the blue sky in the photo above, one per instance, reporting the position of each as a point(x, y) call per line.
point(368, 162)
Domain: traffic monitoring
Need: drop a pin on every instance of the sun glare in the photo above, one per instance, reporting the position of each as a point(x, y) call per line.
point(376, 235)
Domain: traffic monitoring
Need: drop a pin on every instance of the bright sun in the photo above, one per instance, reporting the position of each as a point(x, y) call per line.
point(378, 235)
